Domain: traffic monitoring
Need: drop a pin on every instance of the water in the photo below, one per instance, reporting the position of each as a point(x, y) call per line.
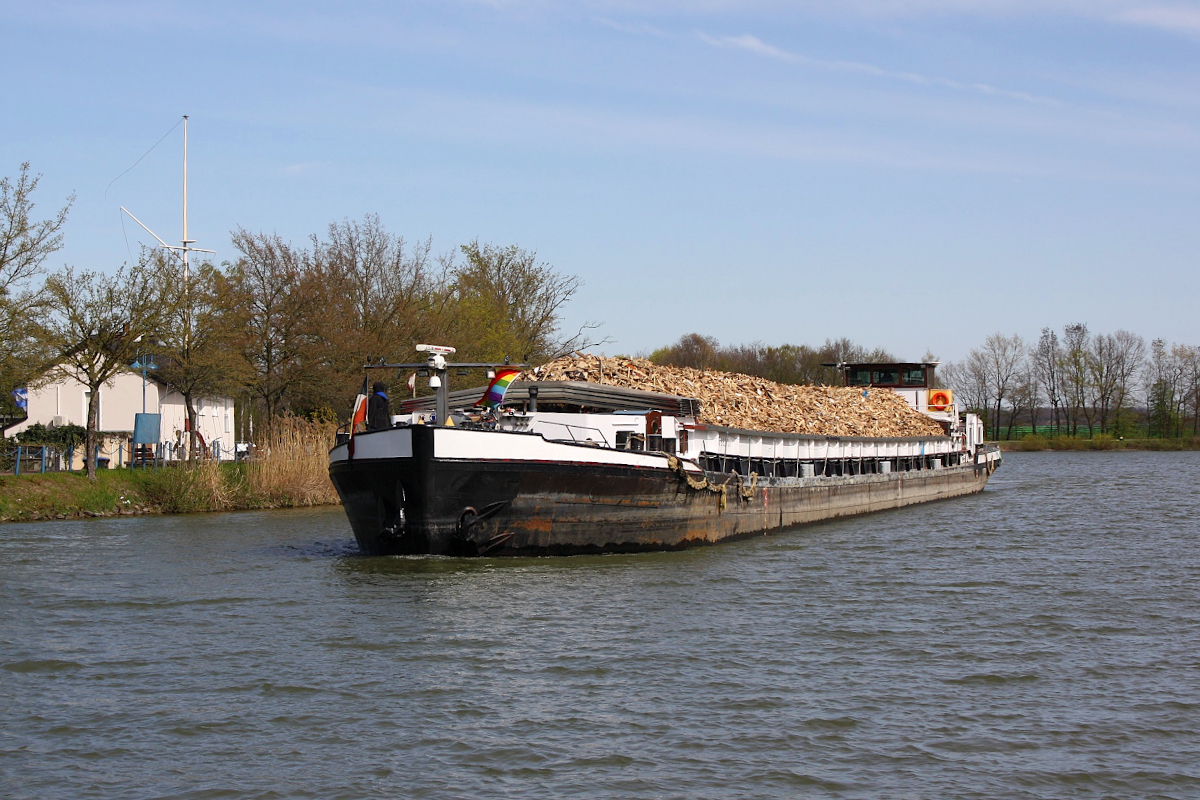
point(1040, 640)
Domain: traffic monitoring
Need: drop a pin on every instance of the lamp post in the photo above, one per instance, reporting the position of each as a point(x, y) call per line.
point(144, 364)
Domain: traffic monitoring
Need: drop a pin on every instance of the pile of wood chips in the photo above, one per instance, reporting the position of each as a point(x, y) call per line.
point(744, 401)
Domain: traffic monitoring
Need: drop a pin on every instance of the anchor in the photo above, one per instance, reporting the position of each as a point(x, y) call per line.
point(471, 516)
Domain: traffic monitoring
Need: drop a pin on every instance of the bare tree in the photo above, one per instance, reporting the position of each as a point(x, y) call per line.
point(1100, 358)
point(1047, 359)
point(1025, 397)
point(1000, 362)
point(96, 325)
point(969, 380)
point(1129, 356)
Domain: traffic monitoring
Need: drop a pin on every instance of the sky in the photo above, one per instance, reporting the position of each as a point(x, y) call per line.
point(911, 174)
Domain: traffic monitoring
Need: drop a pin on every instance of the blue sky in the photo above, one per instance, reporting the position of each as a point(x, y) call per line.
point(912, 174)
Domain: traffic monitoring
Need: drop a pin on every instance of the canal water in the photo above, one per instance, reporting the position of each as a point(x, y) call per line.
point(1040, 640)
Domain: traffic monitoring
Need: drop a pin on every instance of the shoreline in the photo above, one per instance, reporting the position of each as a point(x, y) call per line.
point(233, 487)
point(126, 493)
point(1043, 444)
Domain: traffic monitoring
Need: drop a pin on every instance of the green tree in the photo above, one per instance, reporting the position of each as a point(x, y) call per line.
point(692, 350)
point(507, 303)
point(193, 344)
point(269, 309)
point(96, 326)
point(25, 244)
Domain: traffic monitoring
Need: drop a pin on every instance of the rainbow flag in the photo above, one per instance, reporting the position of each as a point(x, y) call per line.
point(494, 395)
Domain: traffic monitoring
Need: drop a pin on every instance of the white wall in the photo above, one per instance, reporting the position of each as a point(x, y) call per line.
point(121, 399)
point(214, 420)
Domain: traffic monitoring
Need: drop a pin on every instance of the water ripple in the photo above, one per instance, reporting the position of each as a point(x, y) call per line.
point(1037, 641)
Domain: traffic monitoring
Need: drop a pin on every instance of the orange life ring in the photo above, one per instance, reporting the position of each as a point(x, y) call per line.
point(939, 400)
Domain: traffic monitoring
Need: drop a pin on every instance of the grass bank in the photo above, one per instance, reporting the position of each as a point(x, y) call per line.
point(290, 470)
point(1073, 443)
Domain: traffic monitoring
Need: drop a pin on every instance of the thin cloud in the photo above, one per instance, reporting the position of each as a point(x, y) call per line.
point(306, 166)
point(1178, 19)
point(752, 44)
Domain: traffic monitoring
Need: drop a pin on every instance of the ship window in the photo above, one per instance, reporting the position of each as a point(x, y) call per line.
point(886, 377)
point(859, 377)
point(914, 377)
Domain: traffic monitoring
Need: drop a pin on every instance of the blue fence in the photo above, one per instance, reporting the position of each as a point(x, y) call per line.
point(27, 459)
point(18, 459)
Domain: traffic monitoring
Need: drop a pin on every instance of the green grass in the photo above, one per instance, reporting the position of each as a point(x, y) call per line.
point(1076, 443)
point(173, 490)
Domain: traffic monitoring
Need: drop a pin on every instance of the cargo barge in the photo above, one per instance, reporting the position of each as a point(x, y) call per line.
point(571, 467)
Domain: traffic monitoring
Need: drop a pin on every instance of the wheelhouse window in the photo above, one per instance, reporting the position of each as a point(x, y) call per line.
point(886, 377)
point(859, 377)
point(914, 377)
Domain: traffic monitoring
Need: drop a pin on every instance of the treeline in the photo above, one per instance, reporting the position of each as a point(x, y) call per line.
point(1080, 383)
point(305, 318)
point(787, 363)
point(1071, 382)
point(283, 326)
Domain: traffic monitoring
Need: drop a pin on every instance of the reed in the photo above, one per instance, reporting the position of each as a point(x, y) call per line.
point(291, 464)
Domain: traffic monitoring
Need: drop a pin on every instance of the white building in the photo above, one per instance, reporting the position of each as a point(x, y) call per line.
point(65, 402)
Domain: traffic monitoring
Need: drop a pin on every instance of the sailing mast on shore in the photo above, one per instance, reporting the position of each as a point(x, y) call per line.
point(185, 243)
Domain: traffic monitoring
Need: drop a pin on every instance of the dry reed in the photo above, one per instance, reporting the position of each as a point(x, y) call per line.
point(291, 464)
point(209, 487)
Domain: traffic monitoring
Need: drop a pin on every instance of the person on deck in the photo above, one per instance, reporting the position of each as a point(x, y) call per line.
point(379, 412)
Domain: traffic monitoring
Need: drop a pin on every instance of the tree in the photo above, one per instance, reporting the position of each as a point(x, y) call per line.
point(1163, 377)
point(1074, 371)
point(193, 343)
point(25, 244)
point(511, 304)
point(1101, 360)
point(692, 350)
point(968, 379)
point(1129, 356)
point(96, 326)
point(267, 304)
point(1025, 397)
point(1047, 360)
point(1191, 384)
point(1000, 361)
point(786, 363)
point(376, 297)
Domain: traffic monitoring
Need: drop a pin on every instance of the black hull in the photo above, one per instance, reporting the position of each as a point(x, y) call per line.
point(419, 503)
